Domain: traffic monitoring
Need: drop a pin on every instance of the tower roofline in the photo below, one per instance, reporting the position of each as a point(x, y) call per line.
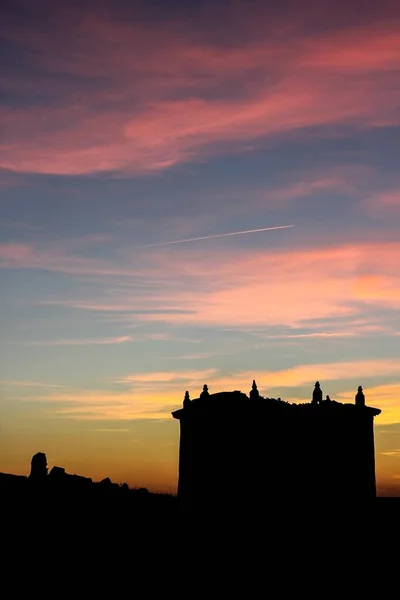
point(239, 402)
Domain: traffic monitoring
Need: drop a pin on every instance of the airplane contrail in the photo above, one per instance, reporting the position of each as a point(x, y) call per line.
point(217, 235)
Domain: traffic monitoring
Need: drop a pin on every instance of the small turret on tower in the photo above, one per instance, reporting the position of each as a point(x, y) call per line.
point(360, 398)
point(317, 394)
point(205, 392)
point(186, 400)
point(254, 393)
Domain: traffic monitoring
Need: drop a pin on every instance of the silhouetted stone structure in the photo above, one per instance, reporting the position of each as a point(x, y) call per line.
point(317, 393)
point(38, 467)
point(57, 473)
point(60, 503)
point(254, 393)
point(243, 452)
point(205, 393)
point(186, 400)
point(360, 398)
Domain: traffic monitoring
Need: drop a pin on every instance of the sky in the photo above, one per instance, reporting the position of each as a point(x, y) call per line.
point(134, 137)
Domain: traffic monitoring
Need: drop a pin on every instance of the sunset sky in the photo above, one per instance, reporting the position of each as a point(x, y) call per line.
point(127, 125)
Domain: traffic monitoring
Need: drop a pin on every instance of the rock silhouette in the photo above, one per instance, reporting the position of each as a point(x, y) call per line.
point(78, 495)
point(38, 467)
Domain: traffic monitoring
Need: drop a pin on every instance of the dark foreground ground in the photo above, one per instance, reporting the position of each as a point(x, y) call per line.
point(102, 536)
point(113, 510)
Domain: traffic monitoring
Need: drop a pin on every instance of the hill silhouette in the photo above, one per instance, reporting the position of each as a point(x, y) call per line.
point(58, 489)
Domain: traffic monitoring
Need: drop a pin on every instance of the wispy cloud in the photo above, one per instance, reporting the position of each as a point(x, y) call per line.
point(293, 377)
point(166, 377)
point(153, 100)
point(240, 287)
point(32, 384)
point(153, 395)
point(198, 356)
point(82, 342)
point(384, 203)
point(109, 430)
point(20, 225)
point(315, 334)
point(101, 405)
point(391, 453)
point(387, 199)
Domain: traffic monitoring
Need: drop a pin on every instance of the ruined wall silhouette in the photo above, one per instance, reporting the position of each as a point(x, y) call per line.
point(246, 452)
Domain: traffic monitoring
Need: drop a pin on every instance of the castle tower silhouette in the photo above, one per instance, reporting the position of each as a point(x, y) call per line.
point(245, 451)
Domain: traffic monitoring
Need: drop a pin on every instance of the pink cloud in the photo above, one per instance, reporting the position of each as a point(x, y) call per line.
point(391, 198)
point(58, 258)
point(198, 286)
point(383, 203)
point(168, 99)
point(378, 288)
point(369, 49)
point(288, 287)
